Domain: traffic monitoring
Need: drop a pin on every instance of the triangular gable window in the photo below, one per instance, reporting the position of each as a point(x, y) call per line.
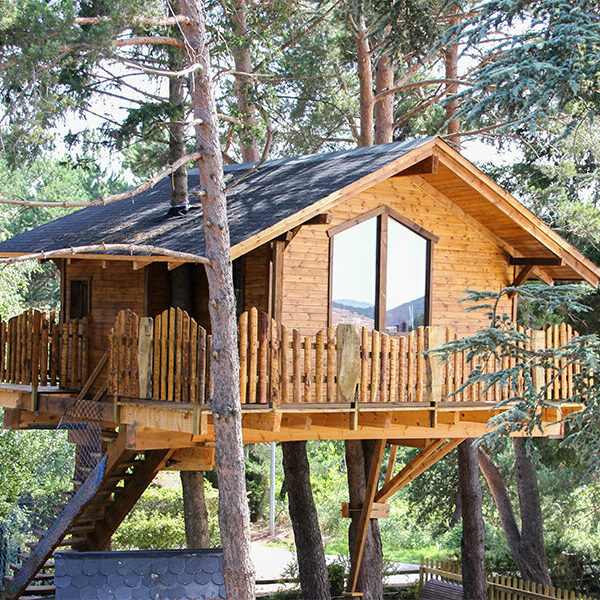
point(380, 272)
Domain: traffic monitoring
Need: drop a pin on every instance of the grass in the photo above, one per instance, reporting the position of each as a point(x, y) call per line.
point(404, 555)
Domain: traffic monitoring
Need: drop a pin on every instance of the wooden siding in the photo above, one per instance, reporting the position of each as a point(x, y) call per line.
point(463, 258)
point(113, 289)
point(256, 278)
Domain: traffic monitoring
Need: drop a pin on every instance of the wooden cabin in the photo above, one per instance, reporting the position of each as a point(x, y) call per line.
point(346, 267)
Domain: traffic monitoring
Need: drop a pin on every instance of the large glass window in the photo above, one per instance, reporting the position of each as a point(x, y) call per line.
point(354, 275)
point(380, 273)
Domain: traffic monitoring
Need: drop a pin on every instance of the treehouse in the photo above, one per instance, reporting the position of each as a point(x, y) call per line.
point(346, 267)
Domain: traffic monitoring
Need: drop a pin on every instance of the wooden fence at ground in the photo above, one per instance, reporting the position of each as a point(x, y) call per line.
point(499, 587)
point(37, 350)
point(168, 358)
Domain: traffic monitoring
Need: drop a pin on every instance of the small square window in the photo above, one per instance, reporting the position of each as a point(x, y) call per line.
point(78, 299)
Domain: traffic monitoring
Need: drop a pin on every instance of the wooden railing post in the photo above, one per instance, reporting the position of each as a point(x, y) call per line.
point(348, 342)
point(434, 369)
point(145, 356)
point(538, 343)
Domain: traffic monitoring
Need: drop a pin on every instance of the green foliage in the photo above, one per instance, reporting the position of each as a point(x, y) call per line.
point(35, 462)
point(157, 522)
point(545, 56)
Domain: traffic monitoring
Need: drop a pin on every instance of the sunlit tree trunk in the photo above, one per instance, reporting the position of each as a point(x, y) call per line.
point(224, 398)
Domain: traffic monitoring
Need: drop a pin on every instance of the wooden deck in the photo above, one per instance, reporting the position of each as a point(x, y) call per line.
point(342, 383)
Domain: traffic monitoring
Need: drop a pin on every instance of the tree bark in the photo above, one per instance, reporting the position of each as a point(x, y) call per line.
point(194, 501)
point(451, 68)
point(194, 510)
point(243, 83)
point(365, 78)
point(179, 182)
point(473, 538)
point(234, 520)
point(527, 546)
point(532, 544)
point(384, 108)
point(312, 567)
point(359, 454)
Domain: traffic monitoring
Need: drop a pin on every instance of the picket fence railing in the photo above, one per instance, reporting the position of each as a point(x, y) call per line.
point(168, 358)
point(37, 350)
point(499, 587)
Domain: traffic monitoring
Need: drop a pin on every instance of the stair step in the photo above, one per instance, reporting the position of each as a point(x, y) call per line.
point(40, 590)
point(117, 478)
point(90, 517)
point(43, 576)
point(72, 541)
point(82, 528)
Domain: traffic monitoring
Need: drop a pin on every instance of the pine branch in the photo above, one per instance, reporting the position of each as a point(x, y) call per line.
point(147, 185)
point(133, 249)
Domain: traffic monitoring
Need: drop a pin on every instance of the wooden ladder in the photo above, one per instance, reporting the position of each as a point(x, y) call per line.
point(89, 519)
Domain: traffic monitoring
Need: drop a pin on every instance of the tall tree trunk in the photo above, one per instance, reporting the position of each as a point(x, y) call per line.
point(312, 567)
point(384, 108)
point(533, 547)
point(451, 68)
point(192, 482)
point(179, 182)
point(194, 501)
point(243, 82)
point(473, 538)
point(365, 79)
point(234, 518)
point(527, 546)
point(359, 454)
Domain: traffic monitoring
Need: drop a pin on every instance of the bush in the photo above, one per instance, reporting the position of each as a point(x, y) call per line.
point(157, 522)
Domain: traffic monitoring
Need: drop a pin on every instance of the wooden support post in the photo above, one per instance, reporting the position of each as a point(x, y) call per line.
point(434, 370)
point(391, 462)
point(365, 515)
point(34, 399)
point(277, 280)
point(145, 356)
point(538, 343)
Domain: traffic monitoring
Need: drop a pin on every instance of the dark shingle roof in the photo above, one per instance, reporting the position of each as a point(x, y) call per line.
point(276, 190)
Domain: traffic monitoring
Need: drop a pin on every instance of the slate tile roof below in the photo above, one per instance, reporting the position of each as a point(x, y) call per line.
point(144, 575)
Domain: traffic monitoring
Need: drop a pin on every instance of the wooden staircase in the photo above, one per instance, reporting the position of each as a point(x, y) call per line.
point(91, 516)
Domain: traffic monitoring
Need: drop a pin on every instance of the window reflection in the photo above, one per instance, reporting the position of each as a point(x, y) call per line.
point(406, 279)
point(354, 290)
point(353, 276)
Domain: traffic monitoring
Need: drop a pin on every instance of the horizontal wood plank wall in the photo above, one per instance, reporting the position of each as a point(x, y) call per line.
point(256, 278)
point(159, 288)
point(114, 288)
point(463, 258)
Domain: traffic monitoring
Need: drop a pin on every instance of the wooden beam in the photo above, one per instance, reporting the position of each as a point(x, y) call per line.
point(522, 275)
point(428, 166)
point(511, 207)
point(277, 257)
point(322, 219)
point(433, 452)
point(198, 458)
point(365, 516)
point(146, 438)
point(542, 261)
point(379, 510)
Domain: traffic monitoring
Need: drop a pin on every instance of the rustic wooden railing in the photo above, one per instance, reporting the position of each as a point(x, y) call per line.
point(37, 350)
point(500, 587)
point(168, 358)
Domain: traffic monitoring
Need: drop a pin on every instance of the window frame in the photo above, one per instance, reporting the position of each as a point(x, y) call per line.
point(383, 214)
point(88, 282)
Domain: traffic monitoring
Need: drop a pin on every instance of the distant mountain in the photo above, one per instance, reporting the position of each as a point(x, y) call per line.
point(352, 303)
point(353, 306)
point(407, 316)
